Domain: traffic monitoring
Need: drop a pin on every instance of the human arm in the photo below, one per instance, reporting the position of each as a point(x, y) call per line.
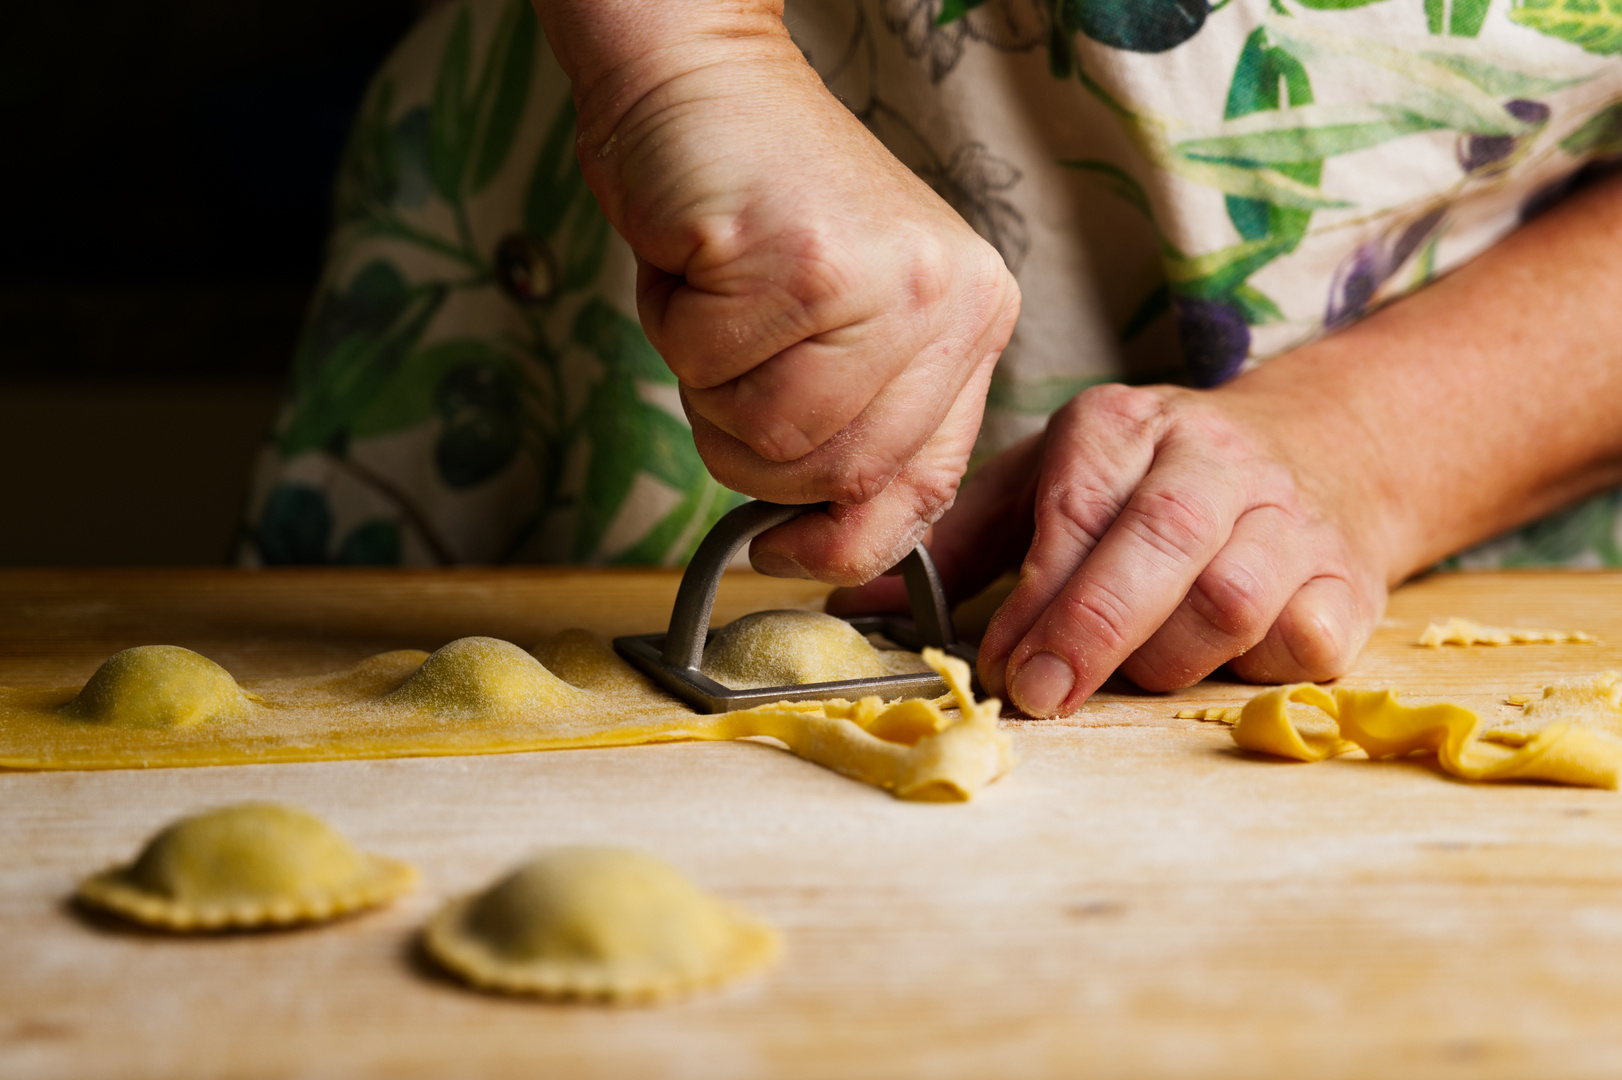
point(1260, 524)
point(832, 321)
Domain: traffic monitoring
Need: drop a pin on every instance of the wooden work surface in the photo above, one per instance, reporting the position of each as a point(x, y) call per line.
point(1136, 899)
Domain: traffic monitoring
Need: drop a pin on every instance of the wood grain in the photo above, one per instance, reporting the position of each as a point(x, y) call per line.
point(1136, 899)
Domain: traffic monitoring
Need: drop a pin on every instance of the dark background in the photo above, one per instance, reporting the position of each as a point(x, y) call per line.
point(164, 187)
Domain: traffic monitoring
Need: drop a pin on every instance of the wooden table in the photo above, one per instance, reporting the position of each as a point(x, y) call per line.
point(1136, 899)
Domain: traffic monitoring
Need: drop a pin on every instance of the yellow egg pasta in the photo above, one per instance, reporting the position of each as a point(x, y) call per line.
point(1341, 720)
point(162, 706)
point(597, 924)
point(250, 866)
point(1457, 631)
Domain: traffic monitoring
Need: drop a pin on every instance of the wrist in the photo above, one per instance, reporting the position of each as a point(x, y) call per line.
point(1332, 437)
point(617, 52)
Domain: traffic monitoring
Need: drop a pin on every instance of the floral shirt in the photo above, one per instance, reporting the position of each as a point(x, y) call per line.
point(1183, 190)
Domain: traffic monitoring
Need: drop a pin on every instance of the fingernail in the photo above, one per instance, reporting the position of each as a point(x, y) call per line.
point(1042, 684)
point(775, 565)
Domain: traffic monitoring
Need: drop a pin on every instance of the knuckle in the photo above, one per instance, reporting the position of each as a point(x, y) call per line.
point(1099, 614)
point(856, 480)
point(774, 437)
point(1318, 646)
point(818, 272)
point(1178, 524)
point(1234, 602)
point(1079, 513)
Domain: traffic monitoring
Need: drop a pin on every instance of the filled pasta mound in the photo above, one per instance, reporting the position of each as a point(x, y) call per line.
point(250, 866)
point(597, 924)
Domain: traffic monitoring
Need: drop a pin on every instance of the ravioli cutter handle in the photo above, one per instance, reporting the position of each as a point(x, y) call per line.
point(695, 599)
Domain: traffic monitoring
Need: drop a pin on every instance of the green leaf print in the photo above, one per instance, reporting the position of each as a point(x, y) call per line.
point(1039, 397)
point(1143, 26)
point(367, 175)
point(1420, 86)
point(561, 211)
point(1265, 78)
point(1150, 308)
point(678, 533)
point(409, 141)
point(1600, 135)
point(1335, 5)
point(295, 524)
point(1217, 273)
point(1594, 25)
point(408, 398)
point(1501, 81)
point(619, 343)
point(1256, 306)
point(371, 543)
point(354, 343)
point(449, 122)
point(512, 59)
point(481, 415)
point(953, 10)
point(1464, 19)
point(1307, 133)
point(1588, 527)
point(556, 182)
point(618, 448)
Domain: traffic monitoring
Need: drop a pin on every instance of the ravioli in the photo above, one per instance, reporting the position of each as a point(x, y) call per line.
point(1566, 751)
point(254, 865)
point(597, 924)
point(480, 696)
point(1457, 631)
point(789, 648)
point(158, 686)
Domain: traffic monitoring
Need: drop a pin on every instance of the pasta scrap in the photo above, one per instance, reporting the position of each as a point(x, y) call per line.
point(1564, 752)
point(1457, 631)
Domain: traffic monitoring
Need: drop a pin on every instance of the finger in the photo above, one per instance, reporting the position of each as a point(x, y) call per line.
point(1176, 521)
point(1316, 637)
point(1232, 605)
point(743, 315)
point(867, 398)
point(987, 530)
point(792, 403)
point(1095, 451)
point(851, 545)
point(862, 459)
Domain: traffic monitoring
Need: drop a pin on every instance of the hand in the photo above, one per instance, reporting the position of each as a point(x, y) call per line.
point(1261, 523)
point(1169, 531)
point(832, 321)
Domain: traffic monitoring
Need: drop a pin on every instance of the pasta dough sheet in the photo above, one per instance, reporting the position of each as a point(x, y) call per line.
point(1572, 749)
point(1457, 631)
point(161, 706)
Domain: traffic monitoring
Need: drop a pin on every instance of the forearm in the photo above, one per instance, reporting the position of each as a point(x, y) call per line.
point(1475, 405)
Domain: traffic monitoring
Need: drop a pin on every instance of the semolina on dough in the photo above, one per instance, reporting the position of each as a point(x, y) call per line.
point(476, 696)
point(796, 648)
point(597, 924)
point(249, 866)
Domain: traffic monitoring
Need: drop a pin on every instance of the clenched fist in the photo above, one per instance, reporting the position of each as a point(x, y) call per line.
point(833, 323)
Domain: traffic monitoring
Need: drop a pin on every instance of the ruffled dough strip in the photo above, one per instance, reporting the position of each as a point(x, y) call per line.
point(910, 748)
point(1376, 722)
point(1457, 631)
